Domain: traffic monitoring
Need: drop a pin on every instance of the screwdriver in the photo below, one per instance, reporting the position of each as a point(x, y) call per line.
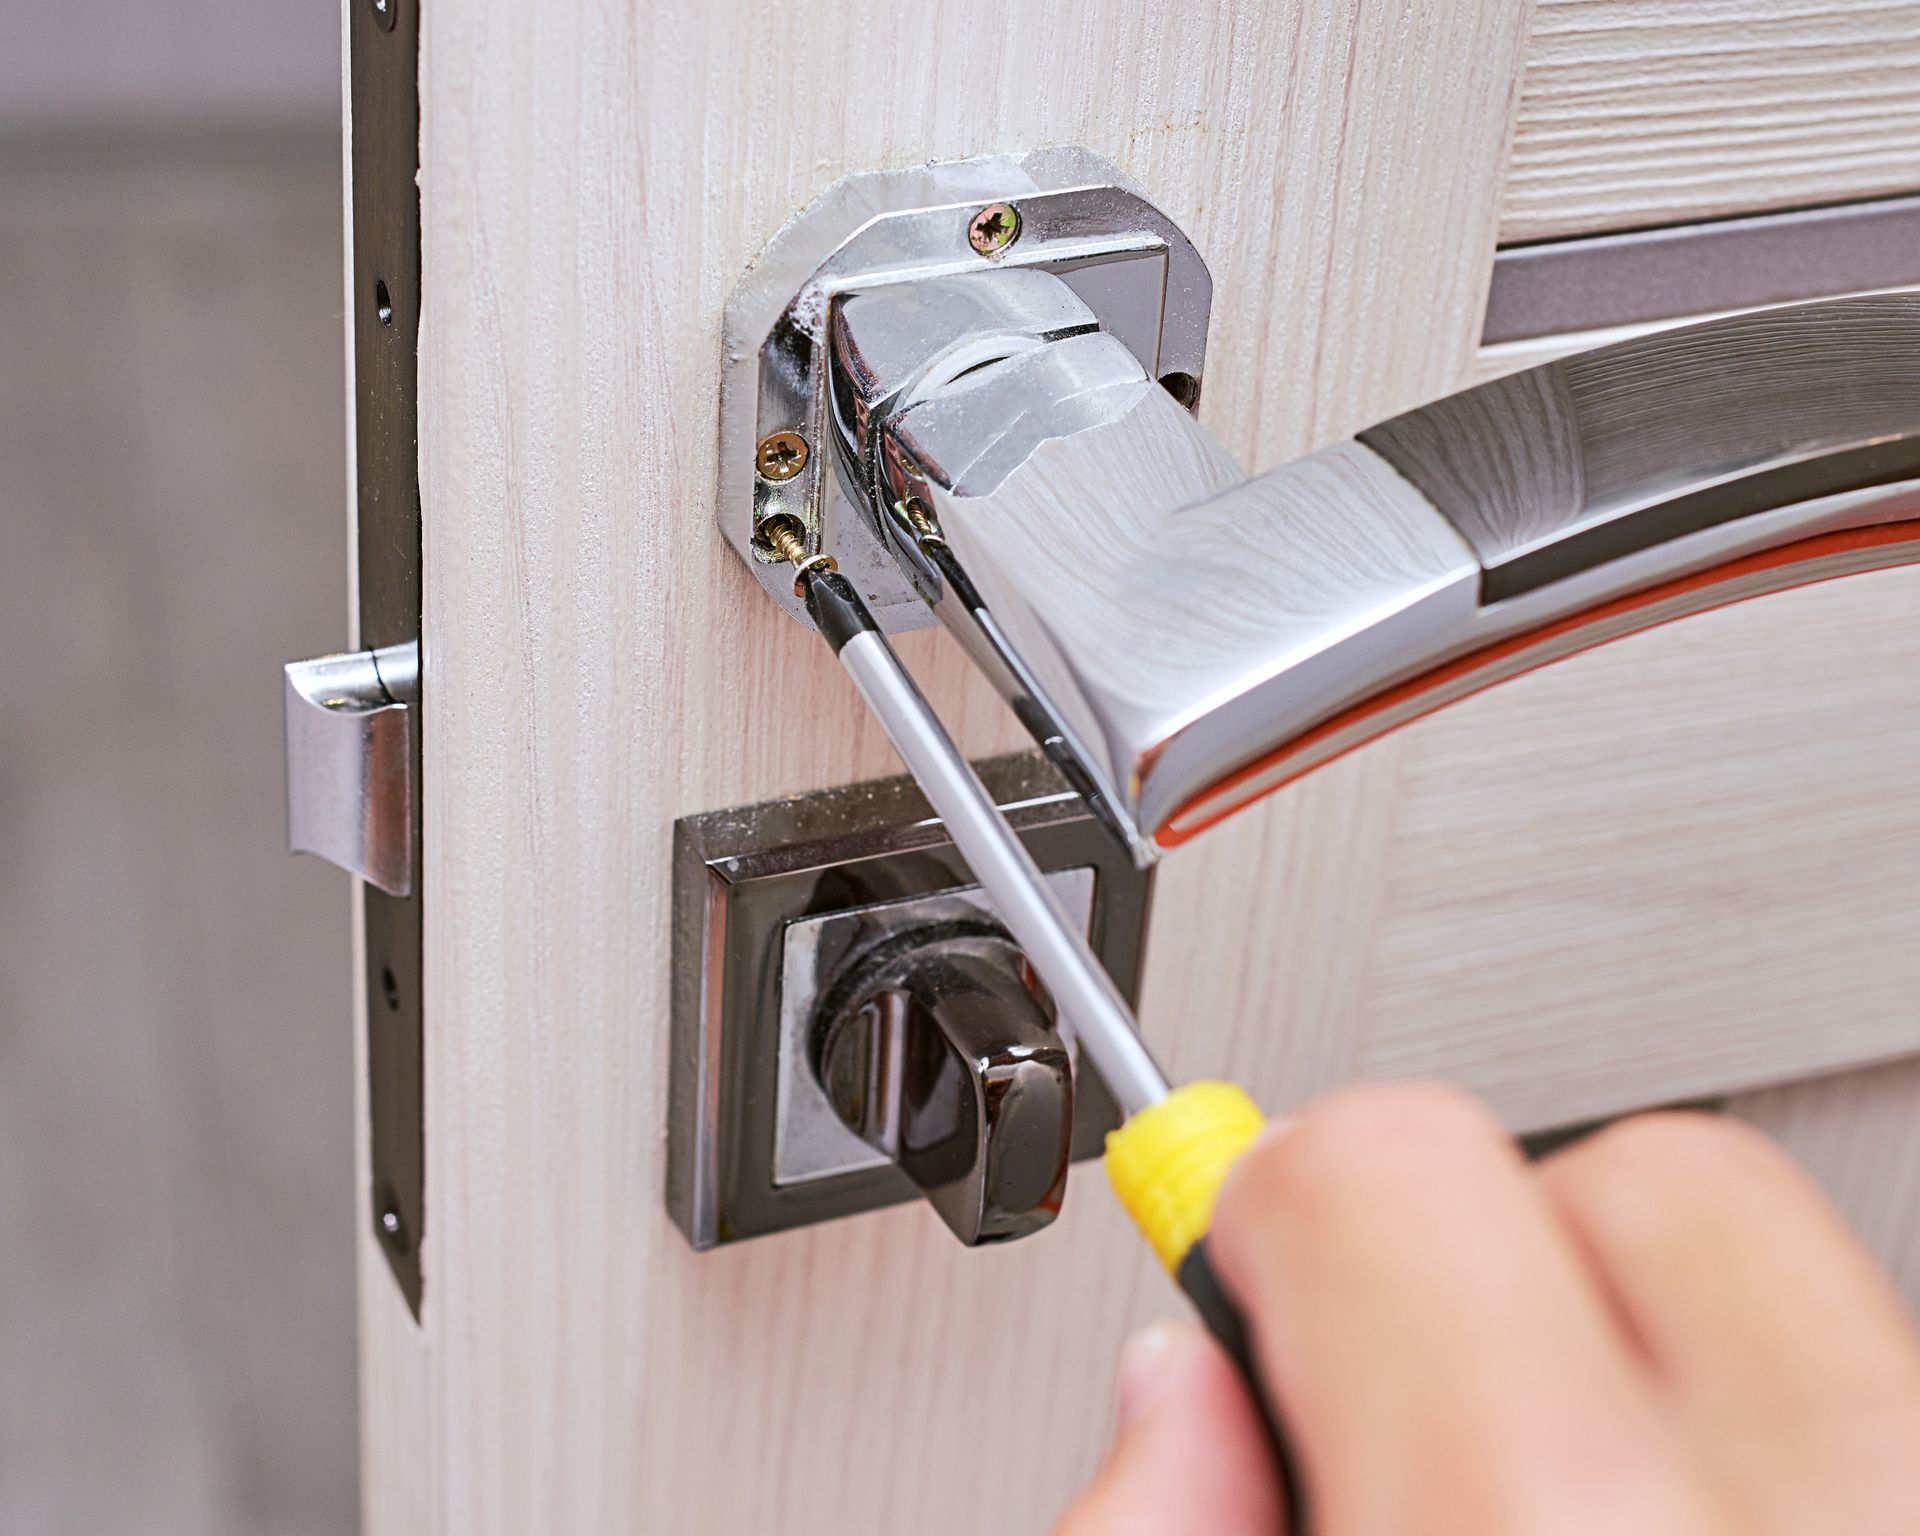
point(1175, 1146)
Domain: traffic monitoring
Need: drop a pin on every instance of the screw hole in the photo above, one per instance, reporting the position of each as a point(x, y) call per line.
point(383, 302)
point(1184, 387)
point(390, 988)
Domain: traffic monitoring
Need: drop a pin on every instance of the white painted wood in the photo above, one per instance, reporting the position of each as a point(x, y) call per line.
point(1618, 881)
point(1660, 111)
point(592, 185)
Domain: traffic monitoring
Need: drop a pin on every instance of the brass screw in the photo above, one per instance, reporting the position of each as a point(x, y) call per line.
point(994, 228)
point(783, 537)
point(783, 534)
point(915, 512)
point(781, 455)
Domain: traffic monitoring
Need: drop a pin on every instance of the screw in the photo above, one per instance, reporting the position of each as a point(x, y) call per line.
point(393, 1231)
point(994, 228)
point(781, 455)
point(783, 534)
point(914, 510)
point(383, 13)
point(784, 538)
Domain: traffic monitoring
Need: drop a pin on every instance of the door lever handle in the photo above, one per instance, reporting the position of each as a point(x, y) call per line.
point(1001, 439)
point(1184, 638)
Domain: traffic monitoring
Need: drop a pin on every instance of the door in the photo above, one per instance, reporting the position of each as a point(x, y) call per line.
point(1682, 867)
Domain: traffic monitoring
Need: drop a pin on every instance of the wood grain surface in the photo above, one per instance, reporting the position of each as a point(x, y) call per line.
point(592, 186)
point(1627, 880)
point(1639, 112)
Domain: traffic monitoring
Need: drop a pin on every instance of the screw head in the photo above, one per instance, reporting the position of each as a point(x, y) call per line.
point(781, 455)
point(387, 1222)
point(384, 13)
point(994, 228)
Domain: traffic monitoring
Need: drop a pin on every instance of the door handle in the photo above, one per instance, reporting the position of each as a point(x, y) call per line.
point(998, 436)
point(1184, 638)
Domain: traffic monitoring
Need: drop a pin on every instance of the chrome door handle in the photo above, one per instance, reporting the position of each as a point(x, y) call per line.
point(1008, 439)
point(1184, 638)
point(938, 1049)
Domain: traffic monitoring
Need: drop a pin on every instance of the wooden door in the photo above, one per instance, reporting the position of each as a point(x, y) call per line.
point(1683, 866)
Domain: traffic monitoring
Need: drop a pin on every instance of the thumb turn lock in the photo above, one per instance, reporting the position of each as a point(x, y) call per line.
point(938, 1049)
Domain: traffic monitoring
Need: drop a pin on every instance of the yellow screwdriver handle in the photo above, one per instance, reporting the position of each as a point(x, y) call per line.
point(1168, 1162)
point(1167, 1165)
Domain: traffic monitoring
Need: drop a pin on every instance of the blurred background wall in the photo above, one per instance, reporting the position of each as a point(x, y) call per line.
point(177, 1346)
point(142, 64)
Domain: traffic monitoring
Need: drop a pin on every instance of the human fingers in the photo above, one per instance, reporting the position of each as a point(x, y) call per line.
point(1784, 1351)
point(1434, 1341)
point(1189, 1455)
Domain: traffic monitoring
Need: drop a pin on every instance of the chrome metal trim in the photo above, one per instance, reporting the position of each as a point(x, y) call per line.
point(349, 742)
point(938, 1048)
point(810, 1140)
point(1565, 467)
point(741, 877)
point(1079, 219)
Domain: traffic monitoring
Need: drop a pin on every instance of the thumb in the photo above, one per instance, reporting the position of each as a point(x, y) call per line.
point(1189, 1455)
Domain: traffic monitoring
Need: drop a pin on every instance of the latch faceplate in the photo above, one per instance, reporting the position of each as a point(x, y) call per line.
point(353, 721)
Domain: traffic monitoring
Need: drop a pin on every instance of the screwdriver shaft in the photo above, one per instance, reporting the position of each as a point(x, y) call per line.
point(1088, 1000)
point(1083, 991)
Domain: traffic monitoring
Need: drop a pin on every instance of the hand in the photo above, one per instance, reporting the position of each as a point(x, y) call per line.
point(1662, 1331)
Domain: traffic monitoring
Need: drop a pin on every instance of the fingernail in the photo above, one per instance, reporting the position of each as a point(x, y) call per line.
point(1143, 1369)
